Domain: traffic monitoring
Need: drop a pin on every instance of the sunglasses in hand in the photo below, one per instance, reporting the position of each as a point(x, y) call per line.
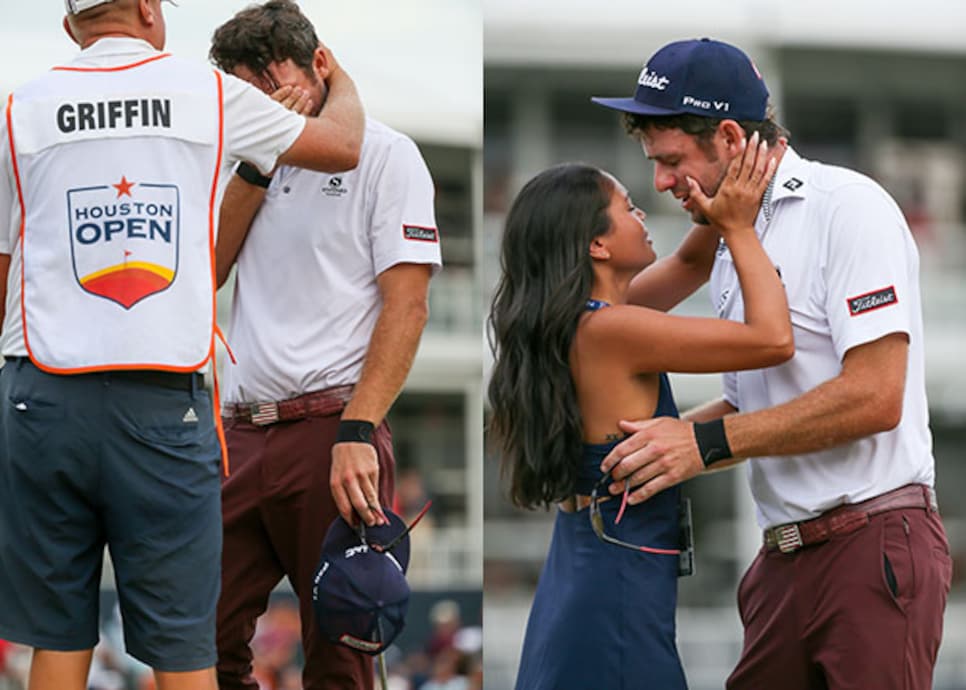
point(597, 522)
point(383, 548)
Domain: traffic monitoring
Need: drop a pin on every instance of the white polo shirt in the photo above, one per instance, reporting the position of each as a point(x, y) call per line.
point(306, 298)
point(256, 129)
point(851, 272)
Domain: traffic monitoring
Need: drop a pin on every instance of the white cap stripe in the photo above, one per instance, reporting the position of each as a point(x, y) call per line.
point(78, 6)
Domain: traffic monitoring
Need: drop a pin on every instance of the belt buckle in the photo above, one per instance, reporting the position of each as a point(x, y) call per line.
point(788, 538)
point(263, 413)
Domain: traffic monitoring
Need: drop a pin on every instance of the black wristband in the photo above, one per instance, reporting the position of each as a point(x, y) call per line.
point(250, 174)
point(712, 441)
point(355, 431)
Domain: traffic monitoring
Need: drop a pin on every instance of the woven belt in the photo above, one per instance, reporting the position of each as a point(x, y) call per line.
point(317, 404)
point(847, 518)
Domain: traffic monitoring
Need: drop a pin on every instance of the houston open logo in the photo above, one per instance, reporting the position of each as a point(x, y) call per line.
point(124, 239)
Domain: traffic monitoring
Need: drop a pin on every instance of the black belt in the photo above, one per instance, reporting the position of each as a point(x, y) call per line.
point(187, 381)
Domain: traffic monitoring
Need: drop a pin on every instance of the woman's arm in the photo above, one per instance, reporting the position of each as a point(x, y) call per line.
point(653, 341)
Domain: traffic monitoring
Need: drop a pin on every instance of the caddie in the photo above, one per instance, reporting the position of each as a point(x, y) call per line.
point(109, 189)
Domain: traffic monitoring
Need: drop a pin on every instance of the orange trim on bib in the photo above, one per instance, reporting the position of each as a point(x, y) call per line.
point(224, 341)
point(211, 205)
point(118, 68)
point(219, 424)
point(216, 407)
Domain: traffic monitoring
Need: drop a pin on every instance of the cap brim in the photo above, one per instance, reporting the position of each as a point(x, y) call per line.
point(630, 105)
point(341, 536)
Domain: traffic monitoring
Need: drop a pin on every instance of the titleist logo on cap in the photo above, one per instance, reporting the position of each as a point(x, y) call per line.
point(652, 79)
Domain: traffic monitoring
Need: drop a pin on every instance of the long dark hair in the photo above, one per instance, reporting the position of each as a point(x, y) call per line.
point(547, 276)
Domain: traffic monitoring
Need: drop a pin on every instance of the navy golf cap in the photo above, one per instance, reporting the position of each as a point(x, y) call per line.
point(359, 593)
point(701, 77)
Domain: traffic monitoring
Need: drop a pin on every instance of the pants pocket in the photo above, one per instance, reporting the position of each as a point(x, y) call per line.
point(890, 576)
point(897, 565)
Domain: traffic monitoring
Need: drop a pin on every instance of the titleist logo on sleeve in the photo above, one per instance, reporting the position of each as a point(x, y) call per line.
point(420, 233)
point(872, 300)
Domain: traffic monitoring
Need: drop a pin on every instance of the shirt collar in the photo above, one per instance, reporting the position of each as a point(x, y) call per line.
point(790, 180)
point(114, 49)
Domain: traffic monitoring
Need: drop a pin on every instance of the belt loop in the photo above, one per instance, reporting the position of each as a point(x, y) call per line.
point(194, 384)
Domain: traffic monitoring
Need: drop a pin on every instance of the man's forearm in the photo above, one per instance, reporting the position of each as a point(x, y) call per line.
point(238, 209)
point(389, 358)
point(833, 413)
point(663, 451)
point(864, 399)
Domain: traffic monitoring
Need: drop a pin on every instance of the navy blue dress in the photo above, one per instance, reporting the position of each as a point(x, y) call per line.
point(603, 615)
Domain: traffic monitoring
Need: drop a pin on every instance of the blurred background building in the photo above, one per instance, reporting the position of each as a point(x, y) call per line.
point(881, 92)
point(418, 67)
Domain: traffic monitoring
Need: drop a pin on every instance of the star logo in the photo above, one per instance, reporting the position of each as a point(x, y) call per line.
point(123, 187)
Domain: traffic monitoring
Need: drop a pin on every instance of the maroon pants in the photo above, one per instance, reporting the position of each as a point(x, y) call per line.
point(857, 612)
point(277, 505)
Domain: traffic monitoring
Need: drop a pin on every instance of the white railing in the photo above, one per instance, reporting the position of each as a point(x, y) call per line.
point(455, 303)
point(445, 557)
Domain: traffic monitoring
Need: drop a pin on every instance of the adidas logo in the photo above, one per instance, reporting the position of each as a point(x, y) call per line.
point(190, 417)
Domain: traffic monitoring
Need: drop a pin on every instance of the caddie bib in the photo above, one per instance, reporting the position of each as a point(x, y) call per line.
point(117, 172)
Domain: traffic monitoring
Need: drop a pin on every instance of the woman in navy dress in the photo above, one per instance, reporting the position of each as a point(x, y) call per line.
point(581, 340)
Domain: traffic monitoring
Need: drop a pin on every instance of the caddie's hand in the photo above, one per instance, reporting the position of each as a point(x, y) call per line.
point(354, 481)
point(735, 205)
point(295, 98)
point(660, 453)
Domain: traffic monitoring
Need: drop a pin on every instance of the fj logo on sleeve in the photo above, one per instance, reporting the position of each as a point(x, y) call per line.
point(872, 300)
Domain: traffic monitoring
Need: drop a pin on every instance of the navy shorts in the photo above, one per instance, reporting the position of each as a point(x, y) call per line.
point(129, 460)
